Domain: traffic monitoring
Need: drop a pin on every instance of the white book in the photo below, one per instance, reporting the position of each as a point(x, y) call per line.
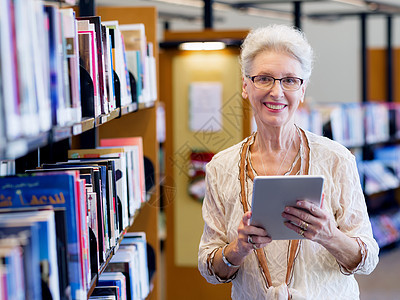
point(119, 61)
point(72, 55)
point(135, 40)
point(8, 90)
point(26, 30)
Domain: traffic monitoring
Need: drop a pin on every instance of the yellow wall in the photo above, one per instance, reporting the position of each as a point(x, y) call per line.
point(214, 66)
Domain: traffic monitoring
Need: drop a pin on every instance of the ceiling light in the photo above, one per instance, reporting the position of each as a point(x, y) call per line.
point(202, 46)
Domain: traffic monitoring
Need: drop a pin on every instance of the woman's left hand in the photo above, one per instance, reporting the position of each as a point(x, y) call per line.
point(310, 221)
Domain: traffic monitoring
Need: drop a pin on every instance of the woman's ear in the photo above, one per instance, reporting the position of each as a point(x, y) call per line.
point(303, 92)
point(244, 85)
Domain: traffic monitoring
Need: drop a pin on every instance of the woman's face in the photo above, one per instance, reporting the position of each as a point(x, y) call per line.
point(273, 107)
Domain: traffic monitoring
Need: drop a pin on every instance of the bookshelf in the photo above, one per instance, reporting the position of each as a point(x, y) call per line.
point(184, 222)
point(130, 120)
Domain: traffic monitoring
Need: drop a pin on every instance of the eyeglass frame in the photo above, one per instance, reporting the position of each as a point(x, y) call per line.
point(276, 79)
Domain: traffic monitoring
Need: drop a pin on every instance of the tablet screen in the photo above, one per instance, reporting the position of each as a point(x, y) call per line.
point(271, 194)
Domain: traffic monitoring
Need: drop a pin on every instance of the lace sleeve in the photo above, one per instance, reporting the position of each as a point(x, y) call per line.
point(364, 253)
point(211, 271)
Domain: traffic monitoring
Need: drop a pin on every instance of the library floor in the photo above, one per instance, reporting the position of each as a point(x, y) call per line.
point(383, 283)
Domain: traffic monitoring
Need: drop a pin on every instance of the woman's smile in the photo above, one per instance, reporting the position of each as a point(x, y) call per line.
point(274, 107)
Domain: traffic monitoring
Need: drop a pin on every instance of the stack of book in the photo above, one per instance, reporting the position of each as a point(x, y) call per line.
point(65, 220)
point(57, 69)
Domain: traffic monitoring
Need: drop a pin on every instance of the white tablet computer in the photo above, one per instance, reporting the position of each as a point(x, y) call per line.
point(271, 194)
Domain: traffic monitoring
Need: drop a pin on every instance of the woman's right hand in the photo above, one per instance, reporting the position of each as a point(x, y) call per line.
point(237, 250)
point(249, 238)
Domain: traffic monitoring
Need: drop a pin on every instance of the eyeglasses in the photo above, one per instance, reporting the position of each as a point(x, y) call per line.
point(265, 82)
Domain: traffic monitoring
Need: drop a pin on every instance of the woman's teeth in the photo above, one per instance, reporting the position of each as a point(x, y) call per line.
point(275, 106)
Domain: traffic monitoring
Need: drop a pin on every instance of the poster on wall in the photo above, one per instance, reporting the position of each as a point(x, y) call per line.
point(205, 106)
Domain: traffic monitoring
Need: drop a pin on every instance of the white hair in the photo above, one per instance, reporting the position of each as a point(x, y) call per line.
point(278, 38)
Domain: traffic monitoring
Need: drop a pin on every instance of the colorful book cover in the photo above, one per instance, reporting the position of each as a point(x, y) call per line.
point(59, 191)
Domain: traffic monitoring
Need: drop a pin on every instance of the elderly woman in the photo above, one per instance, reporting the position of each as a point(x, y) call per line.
point(338, 241)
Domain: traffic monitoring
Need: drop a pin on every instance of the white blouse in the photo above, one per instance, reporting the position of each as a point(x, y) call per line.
point(316, 275)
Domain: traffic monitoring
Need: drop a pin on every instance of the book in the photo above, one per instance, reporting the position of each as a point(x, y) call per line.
point(139, 240)
point(119, 64)
point(136, 47)
point(96, 176)
point(88, 58)
point(124, 261)
point(12, 285)
point(108, 67)
point(27, 234)
point(27, 57)
point(59, 191)
point(138, 162)
point(103, 96)
point(45, 220)
point(108, 187)
point(8, 65)
point(119, 157)
point(72, 55)
point(114, 279)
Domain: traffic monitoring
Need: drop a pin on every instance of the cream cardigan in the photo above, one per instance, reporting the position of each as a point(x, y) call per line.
point(316, 274)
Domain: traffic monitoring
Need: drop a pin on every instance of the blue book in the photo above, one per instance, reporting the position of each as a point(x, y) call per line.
point(56, 67)
point(139, 239)
point(28, 235)
point(11, 258)
point(114, 279)
point(124, 261)
point(45, 220)
point(59, 191)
